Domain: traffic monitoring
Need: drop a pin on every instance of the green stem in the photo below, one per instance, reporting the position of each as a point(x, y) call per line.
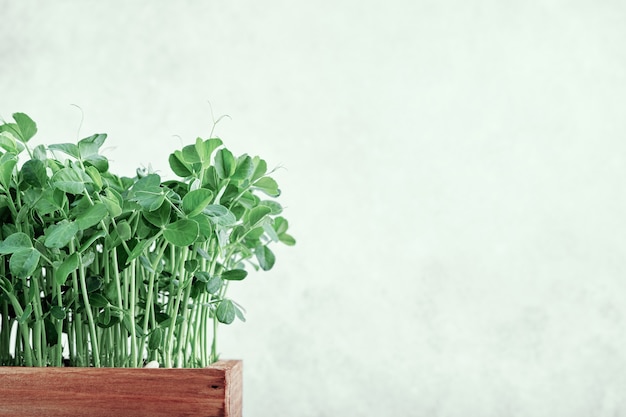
point(24, 331)
point(182, 341)
point(90, 321)
point(169, 345)
point(133, 330)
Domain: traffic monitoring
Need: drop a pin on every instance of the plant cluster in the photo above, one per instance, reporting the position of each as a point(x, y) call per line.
point(104, 270)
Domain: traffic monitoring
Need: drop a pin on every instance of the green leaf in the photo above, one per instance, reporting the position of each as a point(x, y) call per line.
point(34, 173)
point(255, 233)
point(268, 186)
point(27, 126)
point(147, 192)
point(182, 232)
point(202, 276)
point(67, 148)
point(24, 262)
point(111, 202)
point(156, 338)
point(70, 181)
point(92, 216)
point(287, 239)
point(104, 319)
point(60, 234)
point(9, 143)
point(214, 284)
point(235, 274)
point(205, 149)
point(190, 154)
point(275, 207)
point(225, 163)
point(58, 312)
point(15, 242)
point(47, 203)
point(69, 264)
point(123, 230)
point(204, 225)
point(97, 161)
point(225, 312)
point(7, 165)
point(177, 165)
point(219, 214)
point(280, 225)
point(191, 265)
point(195, 201)
point(159, 217)
point(257, 214)
point(6, 285)
point(89, 146)
point(98, 300)
point(245, 168)
point(270, 232)
point(93, 283)
point(95, 176)
point(260, 168)
point(39, 152)
point(265, 257)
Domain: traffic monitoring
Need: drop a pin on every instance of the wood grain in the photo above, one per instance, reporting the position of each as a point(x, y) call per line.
point(215, 391)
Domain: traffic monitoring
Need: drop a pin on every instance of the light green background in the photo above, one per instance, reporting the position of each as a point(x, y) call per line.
point(455, 173)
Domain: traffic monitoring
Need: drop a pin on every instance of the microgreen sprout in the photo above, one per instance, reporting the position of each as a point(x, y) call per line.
point(104, 270)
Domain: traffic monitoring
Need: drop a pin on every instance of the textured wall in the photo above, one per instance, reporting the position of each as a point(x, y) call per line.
point(455, 175)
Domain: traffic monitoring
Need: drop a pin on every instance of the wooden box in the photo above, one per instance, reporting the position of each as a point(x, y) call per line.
point(215, 391)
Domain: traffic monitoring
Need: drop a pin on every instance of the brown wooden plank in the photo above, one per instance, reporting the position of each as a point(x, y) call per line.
point(215, 391)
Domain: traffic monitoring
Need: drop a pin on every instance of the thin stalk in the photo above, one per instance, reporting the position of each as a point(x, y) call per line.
point(95, 353)
point(38, 334)
point(24, 331)
point(182, 340)
point(5, 334)
point(181, 277)
point(149, 314)
point(121, 334)
point(132, 302)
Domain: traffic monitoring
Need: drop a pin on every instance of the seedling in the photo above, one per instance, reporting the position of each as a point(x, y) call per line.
point(124, 271)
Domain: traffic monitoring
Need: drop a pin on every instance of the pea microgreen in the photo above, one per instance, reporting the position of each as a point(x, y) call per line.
point(104, 270)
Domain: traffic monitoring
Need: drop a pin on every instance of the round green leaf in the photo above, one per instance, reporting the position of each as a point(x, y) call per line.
point(98, 300)
point(59, 235)
point(13, 243)
point(195, 201)
point(58, 312)
point(178, 166)
point(214, 284)
point(24, 262)
point(257, 214)
point(123, 230)
point(225, 312)
point(182, 232)
point(27, 126)
point(268, 186)
point(245, 168)
point(34, 173)
point(70, 181)
point(92, 216)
